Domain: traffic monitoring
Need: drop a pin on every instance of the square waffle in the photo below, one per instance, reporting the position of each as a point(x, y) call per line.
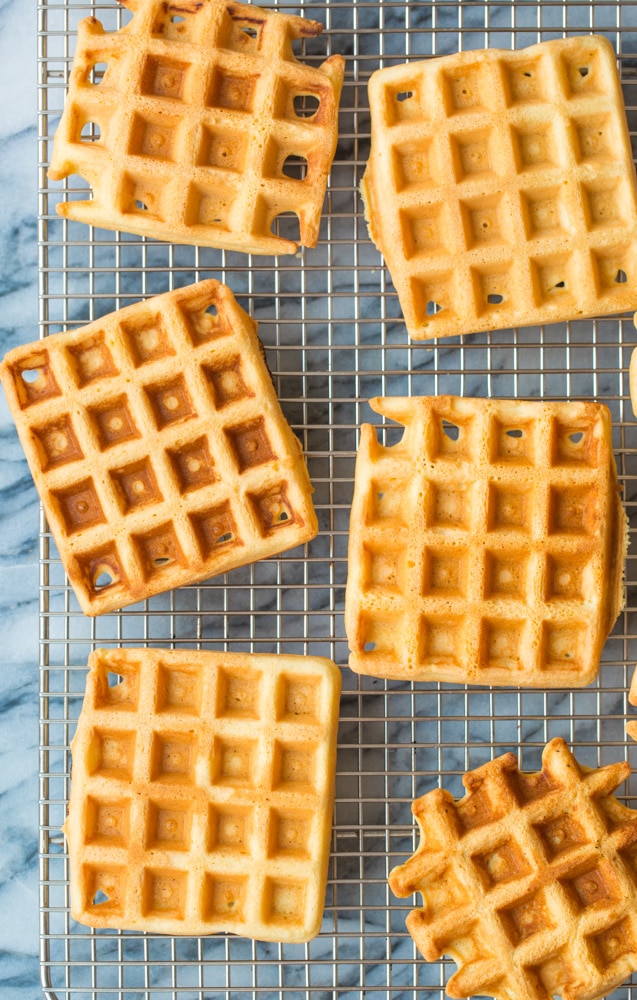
point(158, 446)
point(204, 127)
point(500, 187)
point(202, 793)
point(529, 882)
point(487, 546)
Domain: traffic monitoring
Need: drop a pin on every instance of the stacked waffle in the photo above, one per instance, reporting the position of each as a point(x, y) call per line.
point(500, 187)
point(488, 545)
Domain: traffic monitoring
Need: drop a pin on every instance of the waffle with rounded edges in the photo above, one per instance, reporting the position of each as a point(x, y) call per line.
point(203, 128)
point(500, 187)
point(158, 446)
point(202, 791)
point(529, 882)
point(487, 546)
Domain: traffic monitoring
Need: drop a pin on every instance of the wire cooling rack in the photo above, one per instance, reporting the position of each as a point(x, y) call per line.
point(330, 321)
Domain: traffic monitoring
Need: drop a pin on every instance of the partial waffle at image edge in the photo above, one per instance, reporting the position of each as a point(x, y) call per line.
point(203, 131)
point(488, 545)
point(529, 881)
point(153, 475)
point(631, 724)
point(500, 187)
point(202, 793)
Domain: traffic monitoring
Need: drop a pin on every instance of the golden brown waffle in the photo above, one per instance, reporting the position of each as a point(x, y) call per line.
point(529, 882)
point(202, 792)
point(500, 187)
point(158, 446)
point(204, 127)
point(488, 545)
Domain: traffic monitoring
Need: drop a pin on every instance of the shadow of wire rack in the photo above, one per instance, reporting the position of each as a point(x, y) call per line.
point(331, 325)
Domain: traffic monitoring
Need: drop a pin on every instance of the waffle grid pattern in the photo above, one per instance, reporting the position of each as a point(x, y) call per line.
point(479, 543)
point(201, 125)
point(156, 473)
point(202, 793)
point(529, 882)
point(501, 188)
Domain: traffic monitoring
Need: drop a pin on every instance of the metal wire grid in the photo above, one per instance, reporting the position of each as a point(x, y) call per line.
point(331, 324)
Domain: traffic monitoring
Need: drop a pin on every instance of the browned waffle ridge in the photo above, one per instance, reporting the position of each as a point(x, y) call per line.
point(200, 127)
point(158, 446)
point(529, 882)
point(488, 545)
point(501, 189)
point(202, 793)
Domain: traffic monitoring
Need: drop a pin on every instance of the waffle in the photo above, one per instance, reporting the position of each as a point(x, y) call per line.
point(202, 792)
point(158, 446)
point(633, 377)
point(487, 546)
point(500, 187)
point(203, 129)
point(631, 727)
point(529, 882)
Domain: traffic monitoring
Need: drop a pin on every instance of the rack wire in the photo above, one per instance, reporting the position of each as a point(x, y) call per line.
point(332, 328)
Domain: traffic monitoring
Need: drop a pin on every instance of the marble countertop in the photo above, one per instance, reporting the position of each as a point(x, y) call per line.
point(19, 973)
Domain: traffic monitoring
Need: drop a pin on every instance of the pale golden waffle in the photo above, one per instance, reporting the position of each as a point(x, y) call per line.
point(158, 446)
point(633, 376)
point(631, 727)
point(202, 792)
point(205, 123)
point(487, 546)
point(529, 882)
point(500, 187)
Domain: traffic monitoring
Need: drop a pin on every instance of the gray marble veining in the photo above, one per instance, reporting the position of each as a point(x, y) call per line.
point(19, 974)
